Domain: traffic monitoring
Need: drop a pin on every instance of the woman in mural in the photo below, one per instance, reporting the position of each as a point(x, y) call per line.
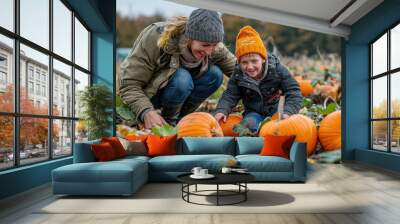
point(174, 66)
point(259, 80)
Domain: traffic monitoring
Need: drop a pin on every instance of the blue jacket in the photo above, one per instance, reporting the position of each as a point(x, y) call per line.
point(262, 96)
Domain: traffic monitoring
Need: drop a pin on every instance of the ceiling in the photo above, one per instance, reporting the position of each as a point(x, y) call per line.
point(333, 17)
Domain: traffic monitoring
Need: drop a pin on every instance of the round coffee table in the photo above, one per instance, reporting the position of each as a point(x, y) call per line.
point(238, 179)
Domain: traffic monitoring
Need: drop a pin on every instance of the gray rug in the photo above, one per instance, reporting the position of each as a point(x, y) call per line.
point(166, 198)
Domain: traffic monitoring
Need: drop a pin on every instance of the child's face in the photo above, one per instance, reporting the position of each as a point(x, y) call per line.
point(252, 65)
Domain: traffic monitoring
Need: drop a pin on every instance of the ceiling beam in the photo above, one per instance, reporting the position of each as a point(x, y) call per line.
point(269, 15)
point(346, 11)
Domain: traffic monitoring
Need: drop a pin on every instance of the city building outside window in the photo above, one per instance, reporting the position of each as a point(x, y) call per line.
point(385, 95)
point(56, 124)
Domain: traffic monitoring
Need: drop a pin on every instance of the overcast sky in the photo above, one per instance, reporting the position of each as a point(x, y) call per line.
point(149, 7)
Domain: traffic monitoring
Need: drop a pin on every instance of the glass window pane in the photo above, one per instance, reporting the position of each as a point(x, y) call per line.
point(6, 142)
point(81, 81)
point(81, 45)
point(33, 139)
point(62, 138)
point(6, 74)
point(81, 131)
point(62, 29)
point(62, 89)
point(395, 47)
point(35, 21)
point(379, 97)
point(395, 94)
point(7, 14)
point(379, 135)
point(379, 55)
point(34, 97)
point(395, 136)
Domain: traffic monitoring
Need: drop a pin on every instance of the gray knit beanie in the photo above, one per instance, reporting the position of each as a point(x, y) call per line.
point(205, 25)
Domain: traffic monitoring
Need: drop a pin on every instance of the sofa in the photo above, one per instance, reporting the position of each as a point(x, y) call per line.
point(126, 175)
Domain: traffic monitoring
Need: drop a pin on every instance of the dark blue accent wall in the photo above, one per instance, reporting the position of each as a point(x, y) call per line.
point(99, 16)
point(356, 100)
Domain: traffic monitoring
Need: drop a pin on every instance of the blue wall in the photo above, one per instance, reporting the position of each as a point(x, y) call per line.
point(356, 99)
point(99, 16)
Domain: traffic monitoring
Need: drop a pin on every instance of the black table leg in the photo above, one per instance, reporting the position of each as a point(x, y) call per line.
point(245, 193)
point(188, 189)
point(196, 188)
point(217, 194)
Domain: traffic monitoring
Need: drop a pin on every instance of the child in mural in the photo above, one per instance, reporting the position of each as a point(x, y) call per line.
point(259, 80)
point(174, 66)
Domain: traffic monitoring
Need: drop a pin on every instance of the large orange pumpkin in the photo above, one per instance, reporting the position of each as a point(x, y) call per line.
point(231, 121)
point(305, 86)
point(198, 124)
point(329, 132)
point(299, 125)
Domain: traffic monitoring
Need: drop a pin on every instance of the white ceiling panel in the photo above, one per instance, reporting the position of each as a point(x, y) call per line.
point(326, 16)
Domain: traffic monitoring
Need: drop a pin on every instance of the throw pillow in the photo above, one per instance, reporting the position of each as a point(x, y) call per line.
point(161, 145)
point(137, 148)
point(103, 151)
point(277, 145)
point(116, 145)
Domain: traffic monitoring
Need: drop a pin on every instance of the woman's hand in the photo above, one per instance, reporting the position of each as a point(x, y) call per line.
point(152, 119)
point(220, 116)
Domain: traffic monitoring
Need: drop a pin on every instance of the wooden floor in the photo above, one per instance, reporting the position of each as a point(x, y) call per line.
point(377, 188)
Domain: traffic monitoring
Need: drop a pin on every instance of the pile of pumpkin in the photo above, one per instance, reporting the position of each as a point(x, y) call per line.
point(202, 124)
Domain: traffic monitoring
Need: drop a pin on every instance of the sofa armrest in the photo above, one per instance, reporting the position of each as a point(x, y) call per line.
point(83, 153)
point(298, 155)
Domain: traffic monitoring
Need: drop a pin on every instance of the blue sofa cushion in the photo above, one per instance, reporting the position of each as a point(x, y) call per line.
point(203, 145)
point(249, 145)
point(257, 163)
point(111, 171)
point(185, 163)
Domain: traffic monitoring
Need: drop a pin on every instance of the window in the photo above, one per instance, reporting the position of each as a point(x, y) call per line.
point(81, 81)
point(30, 72)
point(81, 45)
point(38, 89)
point(385, 96)
point(7, 14)
point(43, 90)
point(37, 74)
point(3, 61)
point(34, 21)
point(30, 87)
point(62, 78)
point(49, 79)
point(3, 72)
point(62, 29)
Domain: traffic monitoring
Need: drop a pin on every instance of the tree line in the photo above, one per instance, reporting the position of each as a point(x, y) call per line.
point(287, 40)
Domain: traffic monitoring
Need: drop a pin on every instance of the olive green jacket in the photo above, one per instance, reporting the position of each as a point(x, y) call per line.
point(149, 67)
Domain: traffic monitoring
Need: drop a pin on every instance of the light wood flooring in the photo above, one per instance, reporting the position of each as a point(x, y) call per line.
point(377, 188)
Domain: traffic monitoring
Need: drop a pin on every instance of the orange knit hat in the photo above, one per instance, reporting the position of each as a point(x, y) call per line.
point(249, 41)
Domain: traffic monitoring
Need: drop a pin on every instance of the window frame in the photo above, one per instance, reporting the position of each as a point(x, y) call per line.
point(51, 118)
point(388, 74)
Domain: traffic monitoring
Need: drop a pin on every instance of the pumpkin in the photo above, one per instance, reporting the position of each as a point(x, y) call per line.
point(305, 86)
point(231, 121)
point(329, 132)
point(198, 124)
point(299, 125)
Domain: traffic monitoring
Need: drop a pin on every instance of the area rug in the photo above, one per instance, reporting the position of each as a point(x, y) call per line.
point(166, 198)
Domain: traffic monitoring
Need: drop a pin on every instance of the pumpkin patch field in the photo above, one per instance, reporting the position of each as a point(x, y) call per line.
point(318, 122)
